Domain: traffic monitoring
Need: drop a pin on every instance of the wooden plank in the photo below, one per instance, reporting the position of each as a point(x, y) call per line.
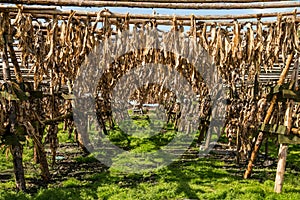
point(9, 8)
point(143, 4)
point(45, 12)
point(283, 139)
point(274, 129)
point(202, 1)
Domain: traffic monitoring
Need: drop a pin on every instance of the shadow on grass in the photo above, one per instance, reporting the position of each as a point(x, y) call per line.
point(182, 174)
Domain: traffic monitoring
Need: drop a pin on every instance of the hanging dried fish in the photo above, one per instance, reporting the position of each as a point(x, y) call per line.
point(68, 29)
point(269, 56)
point(236, 39)
point(227, 47)
point(51, 38)
point(213, 38)
point(295, 31)
point(3, 29)
point(213, 34)
point(63, 30)
point(250, 42)
point(218, 45)
point(278, 39)
point(286, 40)
point(203, 38)
point(193, 28)
point(259, 47)
point(85, 39)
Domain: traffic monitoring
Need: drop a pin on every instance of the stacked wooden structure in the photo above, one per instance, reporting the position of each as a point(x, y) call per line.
point(42, 49)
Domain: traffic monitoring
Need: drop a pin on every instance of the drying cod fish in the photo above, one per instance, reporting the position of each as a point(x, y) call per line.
point(269, 56)
point(287, 41)
point(203, 38)
point(278, 37)
point(63, 32)
point(250, 42)
point(227, 47)
point(213, 36)
point(193, 28)
point(51, 38)
point(3, 22)
point(68, 28)
point(213, 39)
point(259, 47)
point(217, 47)
point(236, 39)
point(296, 30)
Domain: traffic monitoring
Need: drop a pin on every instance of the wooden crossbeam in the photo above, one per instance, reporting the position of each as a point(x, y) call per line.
point(172, 5)
point(224, 20)
point(51, 11)
point(201, 1)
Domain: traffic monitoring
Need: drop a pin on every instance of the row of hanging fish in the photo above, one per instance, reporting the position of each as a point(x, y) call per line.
point(66, 42)
point(248, 46)
point(62, 46)
point(55, 44)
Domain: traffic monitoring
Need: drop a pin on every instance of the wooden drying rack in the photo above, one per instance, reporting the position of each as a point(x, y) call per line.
point(179, 4)
point(225, 20)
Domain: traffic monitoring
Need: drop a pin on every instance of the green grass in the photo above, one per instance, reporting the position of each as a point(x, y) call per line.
point(204, 178)
point(87, 159)
point(63, 135)
point(201, 179)
point(5, 160)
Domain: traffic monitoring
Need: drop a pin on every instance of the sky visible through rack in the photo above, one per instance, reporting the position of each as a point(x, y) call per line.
point(163, 11)
point(186, 11)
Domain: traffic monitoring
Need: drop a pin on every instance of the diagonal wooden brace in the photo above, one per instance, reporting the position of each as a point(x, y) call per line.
point(267, 118)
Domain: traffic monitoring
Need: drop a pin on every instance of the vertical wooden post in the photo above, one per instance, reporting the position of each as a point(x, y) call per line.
point(283, 150)
point(208, 138)
point(45, 174)
point(266, 148)
point(17, 153)
point(202, 130)
point(260, 136)
point(36, 154)
point(282, 154)
point(16, 148)
point(280, 167)
point(36, 130)
point(6, 68)
point(238, 146)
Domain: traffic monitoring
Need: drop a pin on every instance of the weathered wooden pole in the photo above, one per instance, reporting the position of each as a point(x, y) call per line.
point(283, 150)
point(16, 148)
point(145, 4)
point(280, 167)
point(260, 136)
point(5, 65)
point(45, 174)
point(49, 11)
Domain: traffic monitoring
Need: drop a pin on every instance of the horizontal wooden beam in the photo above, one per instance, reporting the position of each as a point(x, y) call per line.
point(43, 11)
point(57, 119)
point(163, 22)
point(201, 1)
point(10, 8)
point(145, 4)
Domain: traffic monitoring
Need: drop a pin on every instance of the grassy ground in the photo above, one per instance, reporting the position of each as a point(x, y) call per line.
point(77, 176)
